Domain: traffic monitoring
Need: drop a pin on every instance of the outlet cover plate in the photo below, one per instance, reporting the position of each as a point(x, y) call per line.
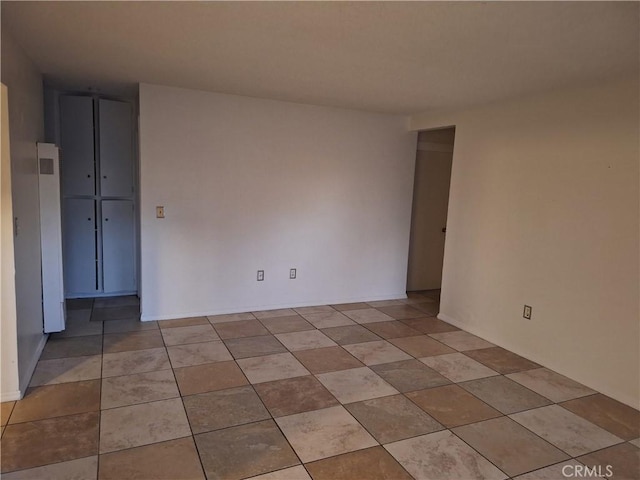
point(526, 313)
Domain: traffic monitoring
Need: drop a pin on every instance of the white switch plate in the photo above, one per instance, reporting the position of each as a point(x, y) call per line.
point(160, 212)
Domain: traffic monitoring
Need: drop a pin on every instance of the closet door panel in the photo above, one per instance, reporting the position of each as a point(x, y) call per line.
point(80, 275)
point(116, 148)
point(77, 142)
point(118, 246)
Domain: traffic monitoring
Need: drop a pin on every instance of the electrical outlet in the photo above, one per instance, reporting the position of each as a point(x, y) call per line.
point(292, 274)
point(527, 312)
point(159, 211)
point(260, 275)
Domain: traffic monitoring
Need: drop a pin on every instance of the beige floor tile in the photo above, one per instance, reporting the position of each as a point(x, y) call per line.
point(294, 395)
point(385, 303)
point(291, 473)
point(553, 472)
point(137, 425)
point(343, 307)
point(554, 386)
point(137, 361)
point(348, 334)
point(62, 370)
point(72, 347)
point(80, 469)
point(294, 323)
point(452, 406)
point(79, 328)
point(254, 346)
point(317, 309)
point(190, 334)
point(501, 360)
point(367, 315)
point(504, 394)
point(224, 408)
point(305, 340)
point(421, 346)
point(57, 401)
point(461, 340)
point(272, 367)
point(327, 319)
point(635, 442)
point(240, 329)
point(442, 456)
point(409, 375)
point(138, 388)
point(230, 317)
point(244, 451)
point(120, 301)
point(78, 315)
point(280, 312)
point(429, 309)
point(124, 342)
point(330, 359)
point(129, 325)
point(401, 311)
point(623, 461)
point(34, 444)
point(375, 353)
point(198, 353)
point(184, 322)
point(356, 384)
point(373, 463)
point(209, 377)
point(324, 433)
point(567, 431)
point(6, 408)
point(429, 325)
point(393, 418)
point(114, 313)
point(161, 461)
point(457, 367)
point(615, 417)
point(393, 329)
point(511, 447)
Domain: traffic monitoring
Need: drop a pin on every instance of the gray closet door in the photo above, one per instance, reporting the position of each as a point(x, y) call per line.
point(76, 140)
point(118, 246)
point(80, 274)
point(116, 148)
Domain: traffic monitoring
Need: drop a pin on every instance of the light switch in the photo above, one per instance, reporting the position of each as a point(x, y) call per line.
point(160, 212)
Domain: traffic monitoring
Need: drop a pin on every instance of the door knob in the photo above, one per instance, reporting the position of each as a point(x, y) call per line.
point(444, 229)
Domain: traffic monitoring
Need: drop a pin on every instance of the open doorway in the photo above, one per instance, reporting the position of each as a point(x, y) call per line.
point(434, 158)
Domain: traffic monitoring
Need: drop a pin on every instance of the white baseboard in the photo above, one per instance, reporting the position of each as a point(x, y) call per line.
point(25, 378)
point(259, 308)
point(10, 396)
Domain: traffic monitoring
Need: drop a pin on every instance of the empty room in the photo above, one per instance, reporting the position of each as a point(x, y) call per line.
point(320, 240)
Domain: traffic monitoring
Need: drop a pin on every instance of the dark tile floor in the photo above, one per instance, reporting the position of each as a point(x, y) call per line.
point(379, 390)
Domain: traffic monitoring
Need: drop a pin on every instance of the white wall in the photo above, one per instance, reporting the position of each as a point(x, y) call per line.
point(26, 128)
point(252, 184)
point(544, 211)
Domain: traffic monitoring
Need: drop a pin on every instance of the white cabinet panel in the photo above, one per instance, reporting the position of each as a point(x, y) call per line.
point(80, 274)
point(77, 143)
point(116, 148)
point(118, 246)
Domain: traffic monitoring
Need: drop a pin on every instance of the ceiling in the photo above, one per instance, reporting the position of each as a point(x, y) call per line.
point(393, 57)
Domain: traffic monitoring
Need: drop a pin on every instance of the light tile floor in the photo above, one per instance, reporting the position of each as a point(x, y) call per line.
point(379, 390)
